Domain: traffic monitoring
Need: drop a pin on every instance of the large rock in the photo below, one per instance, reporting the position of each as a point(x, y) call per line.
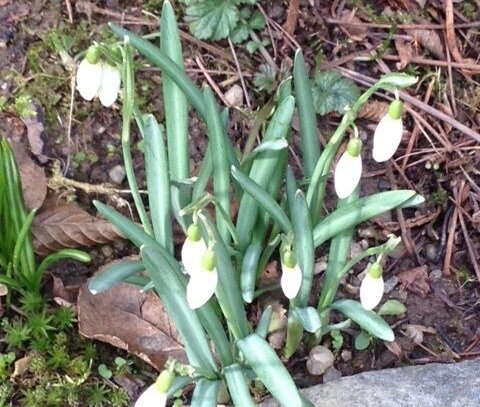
point(433, 385)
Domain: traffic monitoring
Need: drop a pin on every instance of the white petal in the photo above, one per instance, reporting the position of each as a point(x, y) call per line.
point(387, 138)
point(347, 174)
point(371, 291)
point(201, 287)
point(152, 397)
point(192, 255)
point(89, 79)
point(110, 86)
point(291, 280)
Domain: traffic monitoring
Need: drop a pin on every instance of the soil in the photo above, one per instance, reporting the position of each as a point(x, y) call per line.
point(445, 298)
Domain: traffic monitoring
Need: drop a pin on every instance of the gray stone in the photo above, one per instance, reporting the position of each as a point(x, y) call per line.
point(234, 96)
point(319, 360)
point(433, 385)
point(117, 174)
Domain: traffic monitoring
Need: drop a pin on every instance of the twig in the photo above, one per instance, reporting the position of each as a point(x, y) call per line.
point(450, 32)
point(240, 74)
point(450, 82)
point(211, 81)
point(69, 11)
point(70, 120)
point(475, 68)
point(451, 237)
point(473, 24)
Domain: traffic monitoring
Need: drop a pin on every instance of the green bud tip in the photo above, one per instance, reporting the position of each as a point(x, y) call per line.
point(93, 54)
point(164, 380)
point(289, 259)
point(209, 260)
point(354, 147)
point(194, 233)
point(375, 270)
point(396, 109)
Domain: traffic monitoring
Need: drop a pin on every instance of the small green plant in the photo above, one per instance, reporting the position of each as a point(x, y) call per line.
point(222, 259)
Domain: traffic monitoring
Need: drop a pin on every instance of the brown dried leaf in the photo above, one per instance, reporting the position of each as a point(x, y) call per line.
point(405, 52)
point(355, 32)
point(373, 110)
point(69, 226)
point(22, 365)
point(126, 318)
point(395, 348)
point(35, 129)
point(34, 181)
point(415, 280)
point(430, 40)
point(415, 332)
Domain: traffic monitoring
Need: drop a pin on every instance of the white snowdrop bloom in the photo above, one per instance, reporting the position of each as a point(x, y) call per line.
point(110, 85)
point(193, 249)
point(291, 280)
point(388, 133)
point(152, 397)
point(156, 394)
point(349, 169)
point(372, 287)
point(89, 79)
point(203, 281)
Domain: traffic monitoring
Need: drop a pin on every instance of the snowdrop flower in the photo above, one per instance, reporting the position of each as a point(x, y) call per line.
point(291, 275)
point(371, 289)
point(388, 133)
point(95, 78)
point(199, 262)
point(349, 169)
point(156, 394)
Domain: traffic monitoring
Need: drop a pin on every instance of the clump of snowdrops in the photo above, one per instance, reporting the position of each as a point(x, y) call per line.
point(206, 290)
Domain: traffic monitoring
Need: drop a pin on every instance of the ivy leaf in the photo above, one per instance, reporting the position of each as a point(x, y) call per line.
point(331, 92)
point(212, 19)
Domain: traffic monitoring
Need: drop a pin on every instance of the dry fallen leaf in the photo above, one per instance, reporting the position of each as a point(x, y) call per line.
point(430, 40)
point(355, 32)
point(35, 129)
point(34, 181)
point(69, 226)
point(415, 280)
point(395, 348)
point(415, 332)
point(373, 110)
point(21, 365)
point(128, 319)
point(405, 52)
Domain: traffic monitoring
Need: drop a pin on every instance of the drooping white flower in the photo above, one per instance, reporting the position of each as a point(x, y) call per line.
point(203, 281)
point(89, 79)
point(372, 287)
point(110, 86)
point(95, 78)
point(388, 133)
point(349, 169)
point(291, 279)
point(193, 249)
point(156, 394)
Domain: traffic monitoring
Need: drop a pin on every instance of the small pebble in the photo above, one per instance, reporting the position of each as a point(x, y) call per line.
point(320, 267)
point(234, 96)
point(319, 360)
point(106, 250)
point(117, 174)
point(436, 274)
point(331, 374)
point(390, 284)
point(346, 355)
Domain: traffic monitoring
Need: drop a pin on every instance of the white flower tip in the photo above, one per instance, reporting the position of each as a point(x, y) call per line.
point(387, 138)
point(291, 281)
point(347, 174)
point(152, 397)
point(201, 288)
point(110, 86)
point(89, 79)
point(371, 291)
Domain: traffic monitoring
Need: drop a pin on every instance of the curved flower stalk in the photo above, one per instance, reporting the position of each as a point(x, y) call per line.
point(372, 287)
point(291, 280)
point(96, 78)
point(388, 133)
point(156, 394)
point(199, 263)
point(349, 169)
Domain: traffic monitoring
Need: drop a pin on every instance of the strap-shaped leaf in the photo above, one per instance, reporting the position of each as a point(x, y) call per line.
point(158, 183)
point(270, 370)
point(264, 323)
point(205, 393)
point(166, 64)
point(308, 317)
point(248, 274)
point(171, 290)
point(303, 246)
point(238, 386)
point(263, 168)
point(362, 210)
point(368, 320)
point(307, 117)
point(263, 199)
point(114, 274)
